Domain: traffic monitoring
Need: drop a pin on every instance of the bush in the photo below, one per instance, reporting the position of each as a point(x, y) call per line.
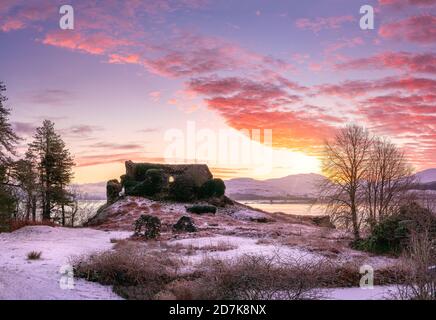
point(147, 227)
point(183, 189)
point(140, 273)
point(199, 209)
point(392, 235)
point(185, 224)
point(135, 273)
point(389, 236)
point(252, 277)
point(213, 188)
point(420, 258)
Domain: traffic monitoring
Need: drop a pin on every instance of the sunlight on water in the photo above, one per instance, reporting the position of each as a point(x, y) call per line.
point(289, 208)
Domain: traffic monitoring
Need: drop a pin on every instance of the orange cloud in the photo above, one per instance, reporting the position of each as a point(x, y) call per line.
point(248, 104)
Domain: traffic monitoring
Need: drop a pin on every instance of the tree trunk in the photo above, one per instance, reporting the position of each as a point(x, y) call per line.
point(34, 208)
point(63, 215)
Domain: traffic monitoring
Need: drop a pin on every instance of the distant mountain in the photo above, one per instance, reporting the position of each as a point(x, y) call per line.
point(92, 191)
point(426, 176)
point(298, 185)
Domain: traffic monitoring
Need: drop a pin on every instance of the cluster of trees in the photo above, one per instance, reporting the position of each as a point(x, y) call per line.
point(36, 186)
point(368, 178)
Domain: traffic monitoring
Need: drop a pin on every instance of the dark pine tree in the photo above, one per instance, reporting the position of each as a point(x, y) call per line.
point(54, 165)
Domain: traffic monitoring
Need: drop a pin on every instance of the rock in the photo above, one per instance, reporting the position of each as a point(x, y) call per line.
point(200, 209)
point(185, 224)
point(147, 227)
point(113, 189)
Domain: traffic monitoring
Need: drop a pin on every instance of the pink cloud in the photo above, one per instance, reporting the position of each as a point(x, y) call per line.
point(25, 14)
point(409, 117)
point(98, 43)
point(118, 58)
point(124, 40)
point(356, 88)
point(344, 43)
point(418, 29)
point(412, 62)
point(398, 4)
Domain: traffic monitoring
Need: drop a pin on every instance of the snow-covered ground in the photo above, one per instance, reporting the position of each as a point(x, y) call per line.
point(21, 278)
point(376, 293)
point(242, 246)
point(40, 279)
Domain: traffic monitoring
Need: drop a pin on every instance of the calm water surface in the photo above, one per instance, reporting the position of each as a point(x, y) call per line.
point(289, 208)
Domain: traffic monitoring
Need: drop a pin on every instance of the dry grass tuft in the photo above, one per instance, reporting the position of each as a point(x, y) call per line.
point(34, 255)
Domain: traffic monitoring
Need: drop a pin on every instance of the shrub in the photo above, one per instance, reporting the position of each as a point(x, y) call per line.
point(147, 227)
point(185, 224)
point(134, 272)
point(199, 209)
point(392, 234)
point(420, 259)
point(140, 273)
point(389, 236)
point(252, 277)
point(213, 188)
point(183, 189)
point(34, 255)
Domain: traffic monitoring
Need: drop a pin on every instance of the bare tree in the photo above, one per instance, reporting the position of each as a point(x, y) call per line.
point(387, 181)
point(345, 165)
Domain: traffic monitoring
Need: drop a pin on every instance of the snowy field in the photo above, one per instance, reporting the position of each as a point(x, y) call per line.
point(40, 279)
point(21, 278)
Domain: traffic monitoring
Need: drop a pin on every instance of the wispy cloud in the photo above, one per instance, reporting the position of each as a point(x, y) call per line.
point(412, 62)
point(323, 23)
point(50, 97)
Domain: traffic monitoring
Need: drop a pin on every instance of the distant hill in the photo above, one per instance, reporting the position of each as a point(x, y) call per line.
point(426, 176)
point(92, 191)
point(298, 185)
point(292, 186)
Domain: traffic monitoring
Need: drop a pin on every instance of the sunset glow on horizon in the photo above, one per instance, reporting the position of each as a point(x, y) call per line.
point(131, 71)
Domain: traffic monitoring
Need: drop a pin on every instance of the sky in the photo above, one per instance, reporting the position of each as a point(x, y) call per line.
point(253, 88)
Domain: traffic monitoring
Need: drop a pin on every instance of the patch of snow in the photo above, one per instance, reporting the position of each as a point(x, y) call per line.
point(377, 293)
point(39, 279)
point(243, 246)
